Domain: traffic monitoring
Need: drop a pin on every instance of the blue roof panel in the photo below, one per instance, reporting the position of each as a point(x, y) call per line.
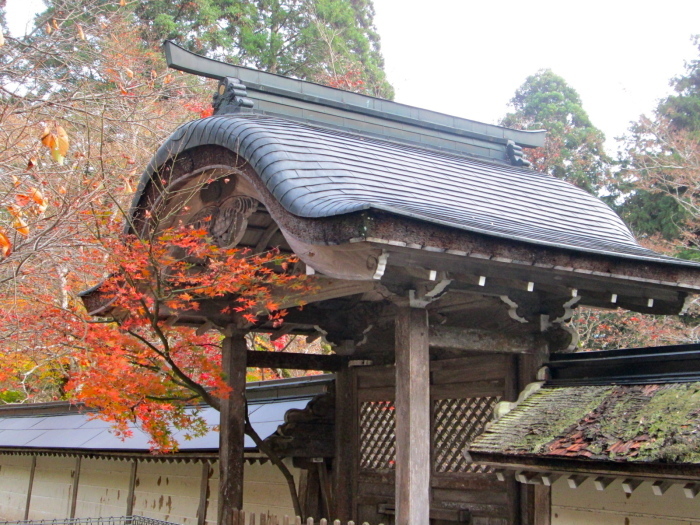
point(79, 431)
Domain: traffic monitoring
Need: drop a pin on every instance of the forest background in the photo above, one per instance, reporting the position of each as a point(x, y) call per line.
point(85, 99)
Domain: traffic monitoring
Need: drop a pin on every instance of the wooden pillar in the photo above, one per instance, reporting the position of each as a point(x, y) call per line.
point(132, 488)
point(76, 482)
point(232, 423)
point(412, 417)
point(543, 505)
point(203, 494)
point(345, 461)
point(32, 469)
point(532, 499)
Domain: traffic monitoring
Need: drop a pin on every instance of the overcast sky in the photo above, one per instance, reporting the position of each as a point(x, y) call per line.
point(467, 57)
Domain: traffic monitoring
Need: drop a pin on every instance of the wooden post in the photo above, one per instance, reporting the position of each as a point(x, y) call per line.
point(412, 417)
point(232, 426)
point(76, 481)
point(543, 505)
point(32, 469)
point(532, 501)
point(345, 460)
point(203, 494)
point(132, 488)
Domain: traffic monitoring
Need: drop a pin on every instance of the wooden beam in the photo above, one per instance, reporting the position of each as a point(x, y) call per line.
point(412, 417)
point(324, 288)
point(74, 493)
point(583, 468)
point(132, 488)
point(294, 361)
point(454, 338)
point(32, 469)
point(231, 432)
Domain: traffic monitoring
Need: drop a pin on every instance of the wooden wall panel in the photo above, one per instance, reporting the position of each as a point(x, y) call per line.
point(103, 489)
point(490, 501)
point(14, 480)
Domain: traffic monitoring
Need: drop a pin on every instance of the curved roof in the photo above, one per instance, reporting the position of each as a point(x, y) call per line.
point(317, 172)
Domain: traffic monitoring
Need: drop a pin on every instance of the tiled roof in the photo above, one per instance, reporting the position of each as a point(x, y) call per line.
point(633, 423)
point(316, 172)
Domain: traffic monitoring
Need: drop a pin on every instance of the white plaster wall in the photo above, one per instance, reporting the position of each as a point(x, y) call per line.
point(586, 505)
point(264, 490)
point(168, 491)
point(53, 486)
point(103, 488)
point(14, 481)
point(165, 491)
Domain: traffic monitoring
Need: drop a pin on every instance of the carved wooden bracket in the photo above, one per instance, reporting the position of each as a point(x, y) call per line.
point(551, 313)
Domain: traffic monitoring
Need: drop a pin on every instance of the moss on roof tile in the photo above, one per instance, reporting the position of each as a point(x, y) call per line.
point(653, 423)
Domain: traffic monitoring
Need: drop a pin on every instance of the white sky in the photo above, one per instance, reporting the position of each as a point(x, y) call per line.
point(467, 57)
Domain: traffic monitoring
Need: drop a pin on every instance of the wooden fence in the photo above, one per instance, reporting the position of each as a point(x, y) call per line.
point(239, 518)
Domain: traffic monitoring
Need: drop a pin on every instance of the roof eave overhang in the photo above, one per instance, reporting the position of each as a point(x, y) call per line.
point(410, 242)
point(563, 465)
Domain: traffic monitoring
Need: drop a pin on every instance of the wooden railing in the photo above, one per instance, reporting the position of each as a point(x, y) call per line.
point(239, 518)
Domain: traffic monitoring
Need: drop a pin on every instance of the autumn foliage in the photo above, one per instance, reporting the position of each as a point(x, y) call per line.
point(137, 364)
point(85, 101)
point(133, 362)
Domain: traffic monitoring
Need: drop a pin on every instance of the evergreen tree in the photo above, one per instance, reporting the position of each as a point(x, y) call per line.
point(329, 41)
point(661, 166)
point(683, 108)
point(573, 148)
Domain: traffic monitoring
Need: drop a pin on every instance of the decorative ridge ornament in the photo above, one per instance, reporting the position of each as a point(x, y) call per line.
point(515, 155)
point(231, 97)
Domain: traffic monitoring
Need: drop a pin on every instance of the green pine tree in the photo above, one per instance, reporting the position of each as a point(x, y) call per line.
point(573, 148)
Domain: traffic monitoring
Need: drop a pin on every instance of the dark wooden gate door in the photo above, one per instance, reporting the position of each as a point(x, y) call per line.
point(464, 392)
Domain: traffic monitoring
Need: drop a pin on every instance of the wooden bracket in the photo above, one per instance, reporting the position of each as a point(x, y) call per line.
point(659, 487)
point(602, 483)
point(629, 485)
point(691, 490)
point(576, 480)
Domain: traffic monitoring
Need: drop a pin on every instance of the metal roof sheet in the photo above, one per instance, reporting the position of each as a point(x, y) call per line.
point(316, 172)
point(79, 431)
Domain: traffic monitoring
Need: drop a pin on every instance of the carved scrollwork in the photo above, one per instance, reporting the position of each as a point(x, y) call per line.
point(203, 219)
point(232, 219)
point(227, 222)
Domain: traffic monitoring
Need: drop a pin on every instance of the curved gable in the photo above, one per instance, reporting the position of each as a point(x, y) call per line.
point(319, 173)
